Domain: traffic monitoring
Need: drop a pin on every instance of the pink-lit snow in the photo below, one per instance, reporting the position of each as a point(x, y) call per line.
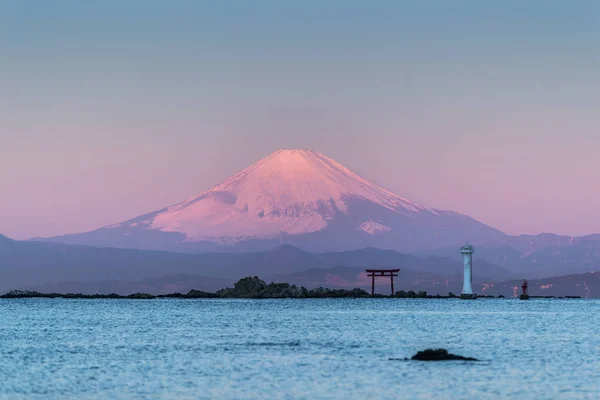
point(290, 191)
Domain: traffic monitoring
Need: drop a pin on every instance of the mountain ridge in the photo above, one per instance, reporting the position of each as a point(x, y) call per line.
point(27, 265)
point(35, 265)
point(297, 197)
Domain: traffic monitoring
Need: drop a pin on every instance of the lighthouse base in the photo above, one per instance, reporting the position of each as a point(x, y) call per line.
point(468, 296)
point(524, 297)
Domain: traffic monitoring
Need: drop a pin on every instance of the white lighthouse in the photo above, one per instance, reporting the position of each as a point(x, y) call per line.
point(467, 252)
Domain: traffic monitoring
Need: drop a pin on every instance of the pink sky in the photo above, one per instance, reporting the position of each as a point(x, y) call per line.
point(71, 188)
point(109, 110)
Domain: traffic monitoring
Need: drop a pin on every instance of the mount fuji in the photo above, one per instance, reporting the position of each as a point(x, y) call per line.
point(296, 197)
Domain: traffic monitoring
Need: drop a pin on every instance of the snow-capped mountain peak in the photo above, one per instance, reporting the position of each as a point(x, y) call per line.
point(290, 191)
point(297, 197)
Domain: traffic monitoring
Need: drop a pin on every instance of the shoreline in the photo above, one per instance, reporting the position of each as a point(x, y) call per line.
point(205, 295)
point(252, 287)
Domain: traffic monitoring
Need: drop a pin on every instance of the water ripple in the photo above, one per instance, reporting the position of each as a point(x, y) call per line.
point(297, 349)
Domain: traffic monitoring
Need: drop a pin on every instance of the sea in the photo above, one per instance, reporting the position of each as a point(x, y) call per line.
point(298, 349)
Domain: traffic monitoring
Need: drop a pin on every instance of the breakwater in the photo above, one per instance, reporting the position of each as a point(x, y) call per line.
point(249, 287)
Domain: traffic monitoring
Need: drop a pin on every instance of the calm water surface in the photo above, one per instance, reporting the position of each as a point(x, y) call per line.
point(288, 349)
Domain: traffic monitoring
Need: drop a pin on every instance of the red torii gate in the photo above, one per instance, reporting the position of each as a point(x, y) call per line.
point(382, 272)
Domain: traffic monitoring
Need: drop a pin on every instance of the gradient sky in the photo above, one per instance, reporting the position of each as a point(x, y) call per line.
point(110, 109)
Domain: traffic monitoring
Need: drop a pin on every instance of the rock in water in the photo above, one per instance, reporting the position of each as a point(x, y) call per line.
point(439, 355)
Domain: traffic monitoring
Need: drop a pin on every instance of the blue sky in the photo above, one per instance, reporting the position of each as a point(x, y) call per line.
point(109, 109)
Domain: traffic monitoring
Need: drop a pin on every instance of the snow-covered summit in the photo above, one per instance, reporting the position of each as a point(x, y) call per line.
point(290, 191)
point(297, 197)
point(304, 176)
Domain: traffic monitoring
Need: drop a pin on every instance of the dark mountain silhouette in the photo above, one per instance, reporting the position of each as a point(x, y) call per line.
point(25, 265)
point(52, 267)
